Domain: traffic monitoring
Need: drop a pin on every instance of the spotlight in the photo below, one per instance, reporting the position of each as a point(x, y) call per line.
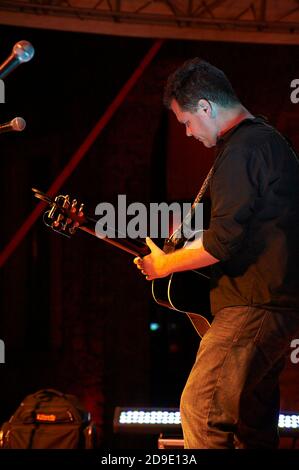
point(288, 424)
point(147, 420)
point(168, 420)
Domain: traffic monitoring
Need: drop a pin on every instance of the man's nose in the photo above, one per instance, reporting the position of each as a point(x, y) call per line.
point(188, 132)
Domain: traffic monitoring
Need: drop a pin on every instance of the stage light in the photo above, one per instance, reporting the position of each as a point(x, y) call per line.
point(288, 424)
point(157, 420)
point(153, 420)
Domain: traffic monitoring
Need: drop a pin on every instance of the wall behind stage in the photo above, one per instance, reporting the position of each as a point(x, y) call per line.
point(75, 314)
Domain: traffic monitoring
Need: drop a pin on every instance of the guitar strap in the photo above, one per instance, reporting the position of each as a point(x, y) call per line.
point(179, 235)
point(200, 323)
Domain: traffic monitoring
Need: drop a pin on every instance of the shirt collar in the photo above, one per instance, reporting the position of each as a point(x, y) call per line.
point(226, 136)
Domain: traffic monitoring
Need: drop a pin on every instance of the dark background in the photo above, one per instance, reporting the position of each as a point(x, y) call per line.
point(76, 314)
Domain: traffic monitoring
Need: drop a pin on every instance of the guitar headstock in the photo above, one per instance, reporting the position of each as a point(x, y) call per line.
point(65, 215)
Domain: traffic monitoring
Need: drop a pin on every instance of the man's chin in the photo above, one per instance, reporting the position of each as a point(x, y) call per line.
point(207, 144)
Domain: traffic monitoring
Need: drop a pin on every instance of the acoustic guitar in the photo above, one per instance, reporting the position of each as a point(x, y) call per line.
point(186, 292)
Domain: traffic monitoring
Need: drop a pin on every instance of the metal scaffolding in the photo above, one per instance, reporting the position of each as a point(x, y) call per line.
point(275, 21)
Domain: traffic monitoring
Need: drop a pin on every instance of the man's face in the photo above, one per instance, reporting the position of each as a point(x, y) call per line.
point(200, 124)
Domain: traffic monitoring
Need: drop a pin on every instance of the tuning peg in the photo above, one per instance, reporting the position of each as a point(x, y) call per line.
point(80, 212)
point(66, 202)
point(58, 221)
point(51, 212)
point(73, 205)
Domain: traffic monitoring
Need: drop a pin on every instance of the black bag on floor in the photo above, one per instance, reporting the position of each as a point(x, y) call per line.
point(49, 419)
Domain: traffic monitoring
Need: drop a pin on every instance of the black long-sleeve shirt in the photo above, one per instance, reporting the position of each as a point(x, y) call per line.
point(254, 226)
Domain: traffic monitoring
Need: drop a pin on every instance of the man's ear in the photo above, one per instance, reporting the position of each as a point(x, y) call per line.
point(206, 107)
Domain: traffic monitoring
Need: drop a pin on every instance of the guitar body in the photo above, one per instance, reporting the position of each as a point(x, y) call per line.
point(186, 292)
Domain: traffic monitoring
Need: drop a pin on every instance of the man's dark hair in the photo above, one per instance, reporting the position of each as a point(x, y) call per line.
point(197, 79)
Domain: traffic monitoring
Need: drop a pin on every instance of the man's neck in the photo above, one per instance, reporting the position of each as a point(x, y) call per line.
point(227, 119)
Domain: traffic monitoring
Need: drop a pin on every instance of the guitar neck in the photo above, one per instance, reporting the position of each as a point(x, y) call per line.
point(135, 247)
point(64, 217)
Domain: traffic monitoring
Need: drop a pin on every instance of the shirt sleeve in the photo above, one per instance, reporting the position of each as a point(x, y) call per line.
point(238, 181)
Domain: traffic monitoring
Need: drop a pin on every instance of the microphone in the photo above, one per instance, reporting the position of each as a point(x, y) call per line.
point(22, 51)
point(17, 124)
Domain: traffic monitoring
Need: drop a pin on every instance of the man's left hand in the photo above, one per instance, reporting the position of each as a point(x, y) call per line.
point(152, 266)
